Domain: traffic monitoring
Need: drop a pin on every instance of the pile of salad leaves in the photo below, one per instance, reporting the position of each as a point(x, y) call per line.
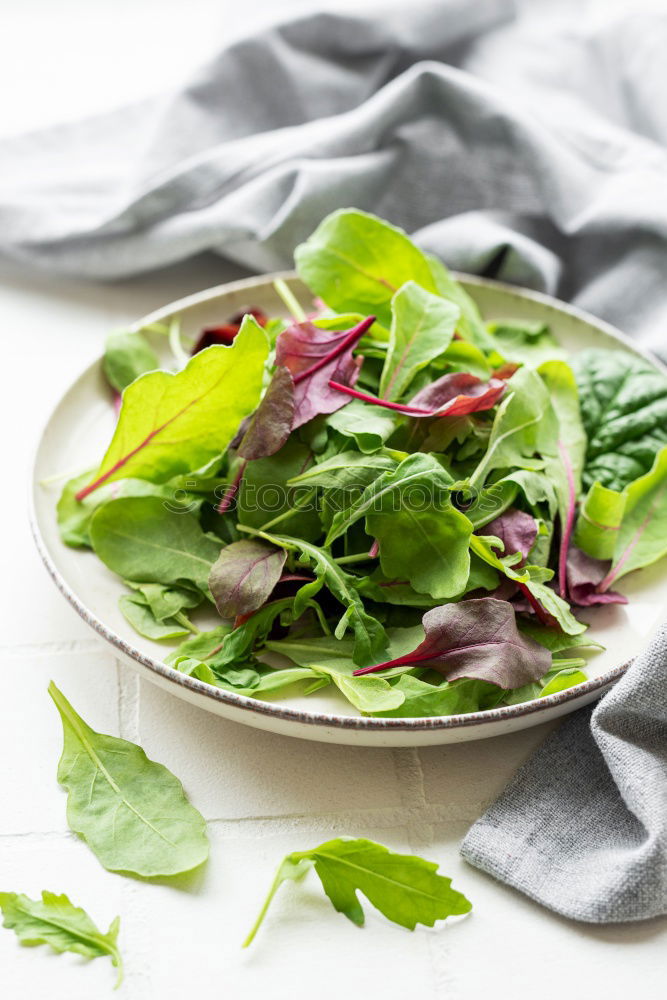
point(388, 495)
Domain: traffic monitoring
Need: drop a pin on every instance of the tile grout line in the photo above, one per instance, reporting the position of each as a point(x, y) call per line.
point(420, 831)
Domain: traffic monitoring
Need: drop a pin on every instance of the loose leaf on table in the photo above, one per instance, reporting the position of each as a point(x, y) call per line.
point(356, 262)
point(453, 395)
point(131, 811)
point(314, 357)
point(271, 423)
point(58, 923)
point(599, 521)
point(422, 327)
point(142, 541)
point(642, 536)
point(563, 446)
point(476, 639)
point(624, 411)
point(244, 575)
point(404, 888)
point(170, 424)
point(127, 355)
point(514, 435)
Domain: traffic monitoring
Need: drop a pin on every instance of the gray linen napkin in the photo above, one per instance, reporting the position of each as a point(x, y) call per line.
point(582, 826)
point(529, 152)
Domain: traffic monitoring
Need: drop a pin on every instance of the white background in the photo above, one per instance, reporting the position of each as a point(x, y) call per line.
point(263, 795)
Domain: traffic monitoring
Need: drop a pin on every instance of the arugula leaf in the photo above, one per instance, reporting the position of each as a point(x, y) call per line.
point(515, 432)
point(55, 921)
point(140, 540)
point(624, 410)
point(347, 469)
point(599, 521)
point(642, 536)
point(535, 486)
point(554, 639)
point(475, 639)
point(169, 424)
point(370, 636)
point(131, 811)
point(244, 575)
point(422, 327)
point(356, 262)
point(403, 887)
point(127, 355)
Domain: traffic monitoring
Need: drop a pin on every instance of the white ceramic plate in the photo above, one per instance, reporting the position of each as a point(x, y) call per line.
point(79, 430)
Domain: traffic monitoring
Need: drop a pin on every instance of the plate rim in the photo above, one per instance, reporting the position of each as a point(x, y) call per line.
point(278, 710)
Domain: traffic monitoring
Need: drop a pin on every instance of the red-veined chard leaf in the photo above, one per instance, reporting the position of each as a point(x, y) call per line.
point(244, 575)
point(315, 356)
point(453, 395)
point(515, 529)
point(171, 424)
point(476, 639)
point(584, 575)
point(225, 334)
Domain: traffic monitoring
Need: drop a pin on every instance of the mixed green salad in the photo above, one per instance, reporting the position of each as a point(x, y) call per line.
point(388, 495)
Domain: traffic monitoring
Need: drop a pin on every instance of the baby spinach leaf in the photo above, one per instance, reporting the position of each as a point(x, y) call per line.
point(368, 426)
point(55, 921)
point(470, 324)
point(356, 262)
point(535, 486)
point(475, 639)
point(642, 536)
point(165, 602)
point(423, 700)
point(599, 521)
point(74, 515)
point(127, 355)
point(624, 410)
point(140, 540)
point(244, 575)
point(422, 327)
point(131, 811)
point(171, 424)
point(561, 680)
point(349, 468)
point(264, 495)
point(405, 888)
point(139, 614)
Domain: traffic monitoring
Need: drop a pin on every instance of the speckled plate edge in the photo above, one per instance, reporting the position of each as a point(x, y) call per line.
point(580, 695)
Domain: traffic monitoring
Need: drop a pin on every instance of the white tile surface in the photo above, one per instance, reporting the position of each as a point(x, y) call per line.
point(265, 795)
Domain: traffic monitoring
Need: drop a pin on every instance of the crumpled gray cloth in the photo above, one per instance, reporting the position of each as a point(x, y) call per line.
point(582, 826)
point(530, 152)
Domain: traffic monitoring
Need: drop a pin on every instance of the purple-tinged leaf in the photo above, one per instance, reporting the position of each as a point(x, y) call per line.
point(479, 639)
point(271, 424)
point(584, 574)
point(243, 576)
point(515, 529)
point(314, 357)
point(454, 395)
